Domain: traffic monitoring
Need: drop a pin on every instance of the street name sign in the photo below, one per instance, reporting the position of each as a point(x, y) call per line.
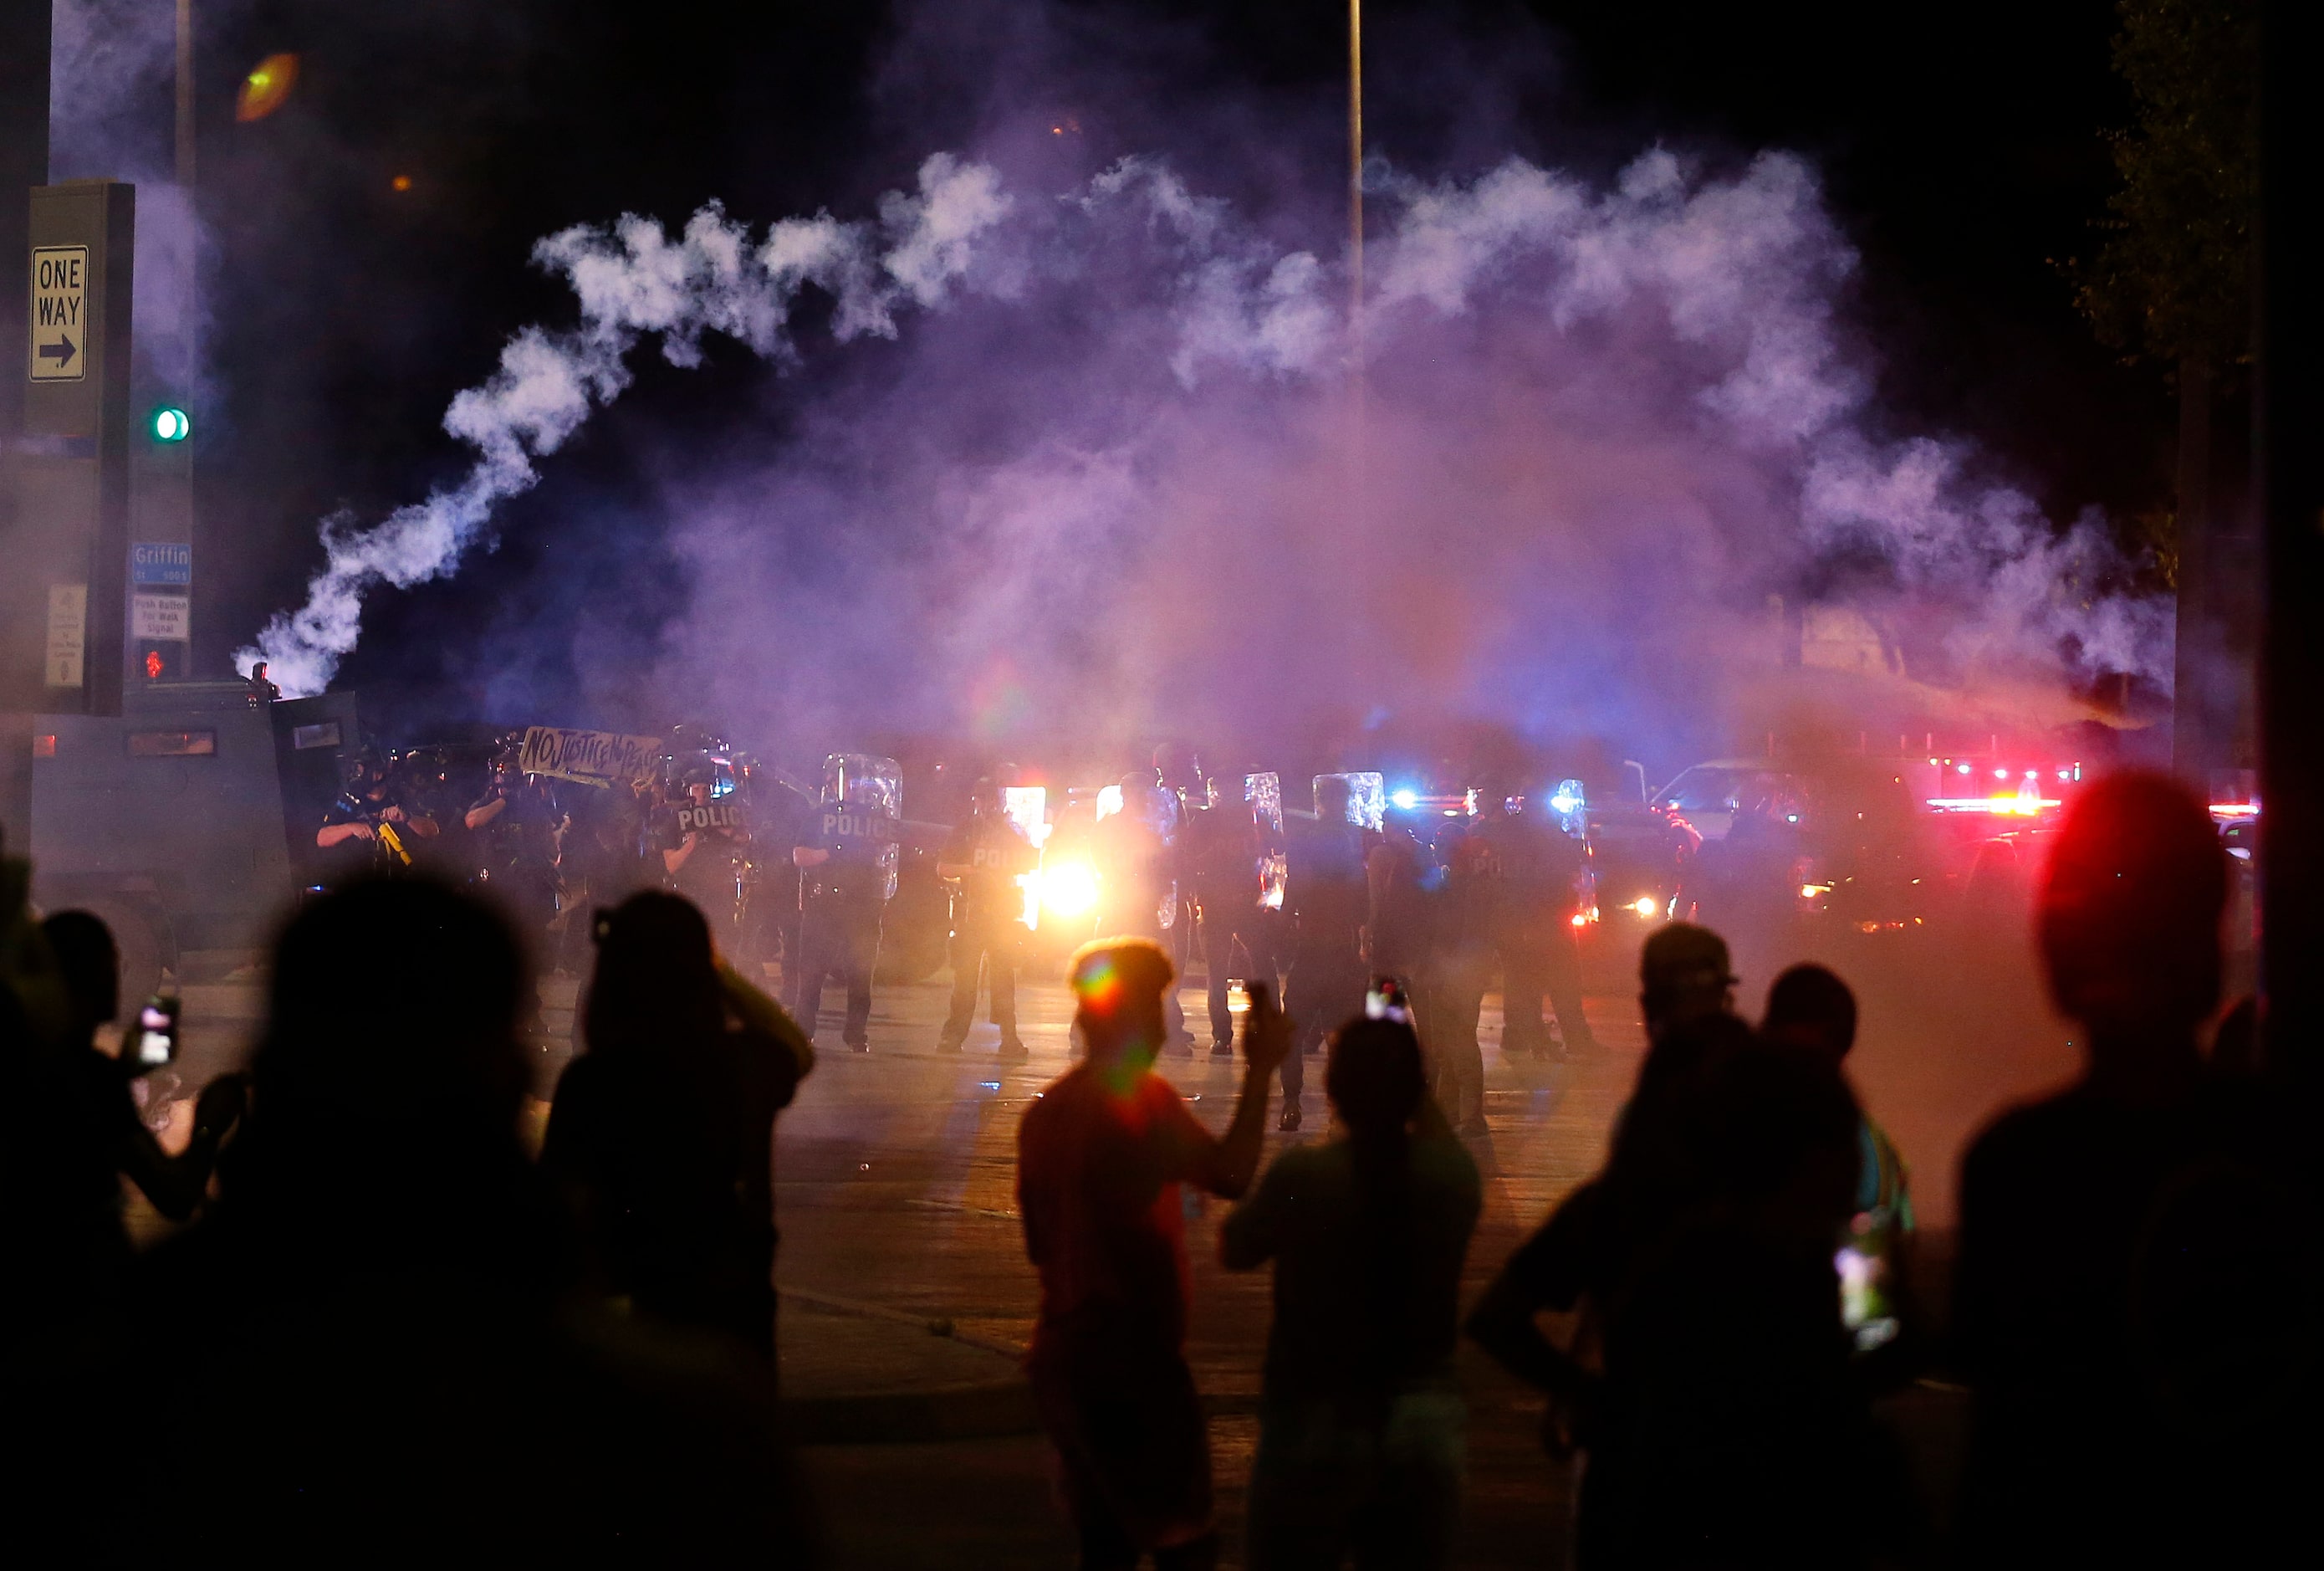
point(162, 561)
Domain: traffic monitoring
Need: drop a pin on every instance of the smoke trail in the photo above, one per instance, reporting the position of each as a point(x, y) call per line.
point(631, 282)
point(1595, 410)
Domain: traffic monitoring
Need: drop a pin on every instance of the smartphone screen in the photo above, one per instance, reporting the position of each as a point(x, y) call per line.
point(157, 1032)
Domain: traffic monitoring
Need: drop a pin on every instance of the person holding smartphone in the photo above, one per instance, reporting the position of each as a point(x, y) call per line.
point(1105, 1155)
point(80, 1131)
point(1360, 1416)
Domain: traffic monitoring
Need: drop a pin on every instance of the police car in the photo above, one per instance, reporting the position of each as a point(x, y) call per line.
point(1867, 846)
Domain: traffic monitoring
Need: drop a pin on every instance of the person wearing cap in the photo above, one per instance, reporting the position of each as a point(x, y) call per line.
point(1104, 1155)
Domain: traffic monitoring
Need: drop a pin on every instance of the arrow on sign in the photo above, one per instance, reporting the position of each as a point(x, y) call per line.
point(61, 351)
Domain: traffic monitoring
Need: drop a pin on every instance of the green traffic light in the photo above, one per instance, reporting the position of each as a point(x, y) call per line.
point(170, 425)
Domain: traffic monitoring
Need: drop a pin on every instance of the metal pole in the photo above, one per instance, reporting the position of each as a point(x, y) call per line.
point(2288, 411)
point(24, 50)
point(186, 93)
point(1362, 664)
point(1355, 173)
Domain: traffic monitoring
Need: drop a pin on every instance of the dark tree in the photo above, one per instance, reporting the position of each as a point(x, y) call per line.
point(2171, 280)
point(2172, 284)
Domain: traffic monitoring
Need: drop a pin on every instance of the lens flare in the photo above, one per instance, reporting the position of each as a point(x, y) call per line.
point(267, 88)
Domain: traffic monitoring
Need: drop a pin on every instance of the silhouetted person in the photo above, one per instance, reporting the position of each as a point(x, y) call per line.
point(374, 1315)
point(1581, 1256)
point(75, 1133)
point(1810, 1009)
point(663, 1131)
point(1658, 1166)
point(1360, 1421)
point(2135, 1297)
point(1101, 1156)
point(1684, 974)
point(1723, 1423)
point(260, 692)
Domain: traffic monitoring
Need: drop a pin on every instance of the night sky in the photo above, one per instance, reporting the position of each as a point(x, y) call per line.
point(1962, 146)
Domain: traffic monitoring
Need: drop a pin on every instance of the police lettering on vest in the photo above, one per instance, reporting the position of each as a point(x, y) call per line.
point(697, 817)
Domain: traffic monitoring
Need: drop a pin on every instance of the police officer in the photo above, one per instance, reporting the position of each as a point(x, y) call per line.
point(1460, 964)
point(366, 828)
point(518, 827)
point(847, 853)
point(1326, 895)
point(983, 859)
point(770, 879)
point(421, 781)
point(1530, 918)
point(703, 841)
point(1226, 850)
point(1402, 882)
point(1178, 771)
point(1139, 883)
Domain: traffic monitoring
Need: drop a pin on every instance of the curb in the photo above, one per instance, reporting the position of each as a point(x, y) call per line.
point(986, 1410)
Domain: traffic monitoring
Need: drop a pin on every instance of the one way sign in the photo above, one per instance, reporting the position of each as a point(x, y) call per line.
point(60, 314)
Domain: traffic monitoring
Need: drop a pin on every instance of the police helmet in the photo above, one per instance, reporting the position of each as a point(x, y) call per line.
point(362, 766)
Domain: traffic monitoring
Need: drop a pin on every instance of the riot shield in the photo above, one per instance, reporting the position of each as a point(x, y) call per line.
point(1367, 797)
point(1264, 792)
point(868, 780)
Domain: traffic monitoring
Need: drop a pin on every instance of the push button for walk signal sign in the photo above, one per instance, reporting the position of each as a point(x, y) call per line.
point(60, 317)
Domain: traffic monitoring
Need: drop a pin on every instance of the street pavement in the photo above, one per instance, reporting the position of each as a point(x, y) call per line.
point(907, 1293)
point(896, 1179)
point(904, 1273)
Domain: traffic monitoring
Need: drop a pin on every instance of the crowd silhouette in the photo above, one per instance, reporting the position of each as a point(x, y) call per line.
point(396, 1331)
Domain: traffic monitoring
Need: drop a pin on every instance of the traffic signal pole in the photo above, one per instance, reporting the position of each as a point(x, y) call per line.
point(24, 38)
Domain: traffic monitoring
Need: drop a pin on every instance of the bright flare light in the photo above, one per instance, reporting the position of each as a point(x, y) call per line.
point(1406, 800)
point(1068, 889)
point(2021, 806)
point(1646, 905)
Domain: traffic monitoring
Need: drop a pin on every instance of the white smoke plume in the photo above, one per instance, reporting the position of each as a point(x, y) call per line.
point(1605, 422)
point(112, 82)
point(632, 280)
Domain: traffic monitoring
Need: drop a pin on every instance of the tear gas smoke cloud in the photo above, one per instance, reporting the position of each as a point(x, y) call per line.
point(1104, 482)
point(630, 282)
point(112, 74)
